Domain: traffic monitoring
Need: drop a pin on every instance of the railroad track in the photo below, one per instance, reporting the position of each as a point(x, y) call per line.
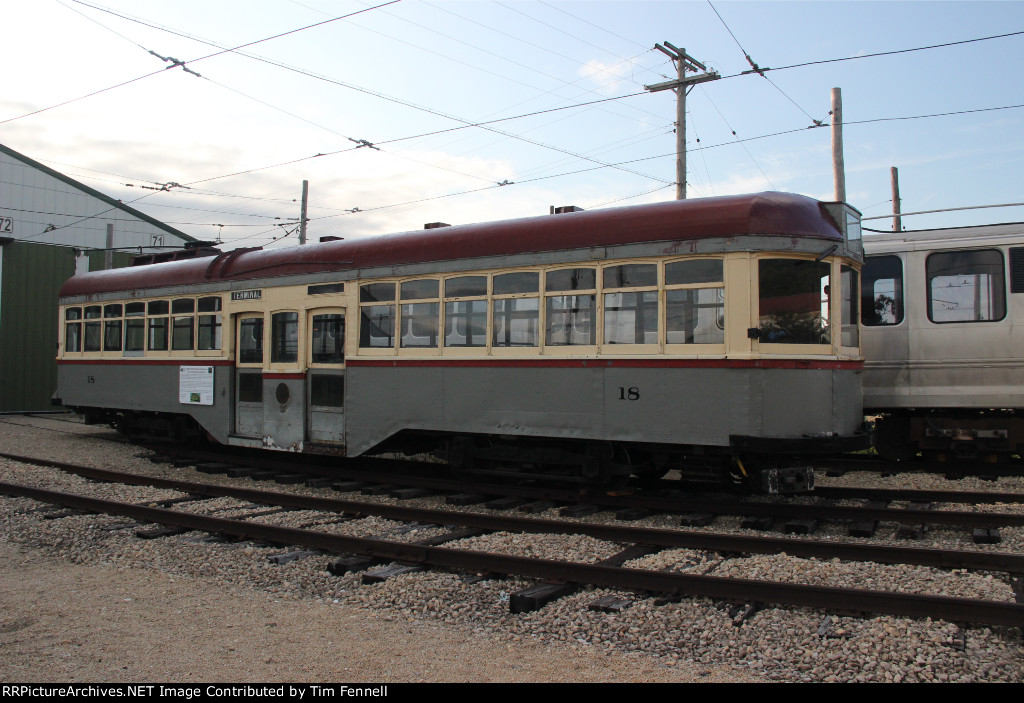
point(559, 577)
point(794, 517)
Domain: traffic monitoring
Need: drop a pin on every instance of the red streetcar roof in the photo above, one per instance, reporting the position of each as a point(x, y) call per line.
point(783, 214)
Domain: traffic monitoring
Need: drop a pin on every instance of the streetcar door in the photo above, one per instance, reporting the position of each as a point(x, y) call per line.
point(284, 384)
point(325, 412)
point(249, 376)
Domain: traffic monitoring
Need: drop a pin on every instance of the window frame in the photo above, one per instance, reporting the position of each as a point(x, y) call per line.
point(722, 285)
point(996, 294)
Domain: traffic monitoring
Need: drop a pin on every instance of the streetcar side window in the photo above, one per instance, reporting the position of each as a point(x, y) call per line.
point(421, 313)
point(570, 319)
point(695, 302)
point(631, 315)
point(328, 335)
point(210, 324)
point(515, 317)
point(157, 324)
point(849, 331)
point(134, 328)
point(284, 337)
point(183, 324)
point(881, 295)
point(112, 327)
point(966, 286)
point(793, 301)
point(250, 341)
point(465, 319)
point(377, 315)
point(72, 330)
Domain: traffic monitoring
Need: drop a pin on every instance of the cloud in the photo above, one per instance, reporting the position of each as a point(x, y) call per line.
point(606, 77)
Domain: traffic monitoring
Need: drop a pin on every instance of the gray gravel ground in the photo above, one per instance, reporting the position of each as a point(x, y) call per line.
point(84, 602)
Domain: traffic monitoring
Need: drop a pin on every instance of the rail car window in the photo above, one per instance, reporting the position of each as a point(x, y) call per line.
point(516, 321)
point(250, 386)
point(134, 327)
point(112, 327)
point(631, 317)
point(881, 297)
point(377, 322)
point(210, 326)
point(850, 335)
point(631, 276)
point(157, 311)
point(376, 292)
point(570, 279)
point(328, 346)
point(966, 286)
point(93, 330)
point(327, 391)
point(794, 301)
point(570, 319)
point(465, 286)
point(420, 289)
point(420, 320)
point(465, 321)
point(250, 341)
point(420, 324)
point(693, 272)
point(72, 330)
point(183, 328)
point(516, 283)
point(284, 337)
point(695, 316)
point(182, 333)
point(325, 288)
point(695, 311)
point(376, 326)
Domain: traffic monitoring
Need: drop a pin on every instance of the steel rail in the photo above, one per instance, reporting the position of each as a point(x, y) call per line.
point(680, 539)
point(916, 495)
point(988, 520)
point(831, 599)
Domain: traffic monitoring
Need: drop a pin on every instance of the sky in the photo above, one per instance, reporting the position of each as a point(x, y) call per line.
point(379, 105)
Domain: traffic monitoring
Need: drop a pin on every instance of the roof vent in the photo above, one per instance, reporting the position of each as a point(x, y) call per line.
point(330, 239)
point(435, 225)
point(192, 250)
point(565, 208)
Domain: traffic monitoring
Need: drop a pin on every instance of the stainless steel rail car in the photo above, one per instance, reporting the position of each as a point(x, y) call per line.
point(715, 335)
point(943, 333)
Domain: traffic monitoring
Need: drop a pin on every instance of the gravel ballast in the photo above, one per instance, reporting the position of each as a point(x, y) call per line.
point(84, 599)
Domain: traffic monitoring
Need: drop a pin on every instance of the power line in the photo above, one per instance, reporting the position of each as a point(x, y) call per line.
point(757, 69)
point(181, 63)
point(880, 53)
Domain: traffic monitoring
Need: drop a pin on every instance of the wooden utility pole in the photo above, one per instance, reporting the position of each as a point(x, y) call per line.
point(302, 213)
point(838, 167)
point(683, 63)
point(897, 224)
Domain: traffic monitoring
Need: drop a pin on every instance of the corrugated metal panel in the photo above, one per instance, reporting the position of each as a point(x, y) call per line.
point(31, 278)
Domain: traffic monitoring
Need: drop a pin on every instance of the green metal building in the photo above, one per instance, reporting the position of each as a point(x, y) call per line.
point(50, 227)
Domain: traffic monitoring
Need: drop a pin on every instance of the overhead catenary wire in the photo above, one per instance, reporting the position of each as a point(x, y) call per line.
point(616, 160)
point(378, 94)
point(202, 58)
